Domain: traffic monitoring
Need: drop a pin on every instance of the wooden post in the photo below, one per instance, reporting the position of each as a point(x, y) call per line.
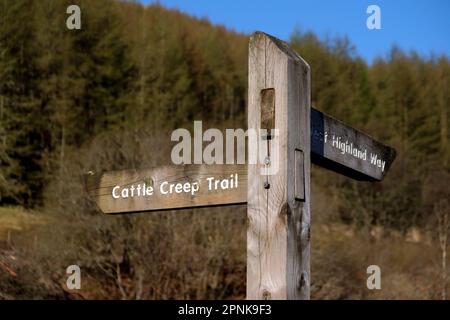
point(278, 233)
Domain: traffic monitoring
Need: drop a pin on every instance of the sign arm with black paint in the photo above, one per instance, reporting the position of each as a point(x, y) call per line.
point(348, 151)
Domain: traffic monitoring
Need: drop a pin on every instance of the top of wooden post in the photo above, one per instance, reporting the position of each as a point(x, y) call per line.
point(283, 46)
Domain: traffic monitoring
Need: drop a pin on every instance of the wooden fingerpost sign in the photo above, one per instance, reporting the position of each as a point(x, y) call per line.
point(276, 188)
point(278, 203)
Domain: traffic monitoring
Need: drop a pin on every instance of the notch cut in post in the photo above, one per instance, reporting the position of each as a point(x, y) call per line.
point(299, 169)
point(267, 112)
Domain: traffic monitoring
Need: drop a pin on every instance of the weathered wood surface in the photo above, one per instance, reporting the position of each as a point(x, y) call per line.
point(279, 225)
point(345, 150)
point(100, 187)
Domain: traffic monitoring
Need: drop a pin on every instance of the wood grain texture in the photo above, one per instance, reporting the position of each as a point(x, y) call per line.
point(278, 225)
point(100, 187)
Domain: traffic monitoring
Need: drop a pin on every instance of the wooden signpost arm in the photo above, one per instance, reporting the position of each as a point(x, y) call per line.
point(168, 188)
point(278, 211)
point(346, 150)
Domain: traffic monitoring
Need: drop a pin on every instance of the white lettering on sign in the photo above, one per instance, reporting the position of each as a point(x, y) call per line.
point(187, 187)
point(168, 188)
point(133, 191)
point(346, 147)
point(223, 184)
point(377, 162)
point(351, 149)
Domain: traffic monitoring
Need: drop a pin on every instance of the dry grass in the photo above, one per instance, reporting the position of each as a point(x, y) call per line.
point(201, 254)
point(341, 255)
point(14, 219)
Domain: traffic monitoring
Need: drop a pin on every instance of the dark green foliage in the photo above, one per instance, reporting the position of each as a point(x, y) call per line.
point(22, 125)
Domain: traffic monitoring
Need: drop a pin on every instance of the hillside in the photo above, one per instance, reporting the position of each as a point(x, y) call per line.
point(108, 96)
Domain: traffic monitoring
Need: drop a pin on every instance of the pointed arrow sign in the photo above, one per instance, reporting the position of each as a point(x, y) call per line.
point(347, 151)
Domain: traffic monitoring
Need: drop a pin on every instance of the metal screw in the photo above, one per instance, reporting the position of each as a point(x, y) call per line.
point(266, 185)
point(267, 161)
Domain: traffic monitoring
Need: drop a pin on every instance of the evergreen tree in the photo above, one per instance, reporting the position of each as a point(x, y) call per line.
point(22, 124)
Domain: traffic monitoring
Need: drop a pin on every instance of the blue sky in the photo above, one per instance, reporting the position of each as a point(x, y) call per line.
point(422, 25)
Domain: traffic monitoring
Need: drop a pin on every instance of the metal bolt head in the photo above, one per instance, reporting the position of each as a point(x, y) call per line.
point(266, 185)
point(266, 161)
